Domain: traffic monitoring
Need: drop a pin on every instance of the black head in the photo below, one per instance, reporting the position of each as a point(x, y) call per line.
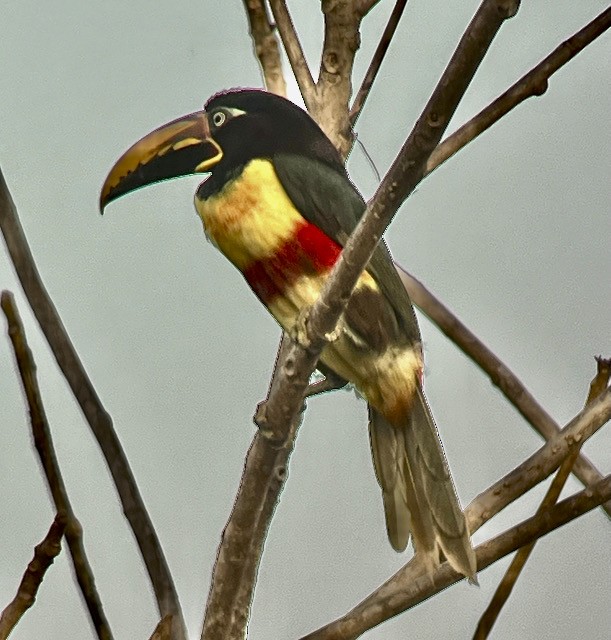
point(235, 127)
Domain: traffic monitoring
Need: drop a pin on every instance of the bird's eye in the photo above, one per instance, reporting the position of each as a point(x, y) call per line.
point(218, 118)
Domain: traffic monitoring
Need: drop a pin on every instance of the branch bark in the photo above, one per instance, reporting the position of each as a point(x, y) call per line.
point(412, 584)
point(265, 46)
point(294, 52)
point(98, 419)
point(44, 555)
point(46, 452)
point(534, 83)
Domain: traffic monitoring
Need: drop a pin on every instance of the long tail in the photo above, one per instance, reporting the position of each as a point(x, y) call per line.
point(417, 489)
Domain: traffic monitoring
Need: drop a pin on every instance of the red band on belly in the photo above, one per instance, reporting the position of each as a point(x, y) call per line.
point(309, 252)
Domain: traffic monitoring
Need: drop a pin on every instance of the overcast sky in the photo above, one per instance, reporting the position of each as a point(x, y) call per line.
point(513, 234)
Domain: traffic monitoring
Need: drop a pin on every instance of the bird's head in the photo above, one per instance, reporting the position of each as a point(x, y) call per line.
point(234, 127)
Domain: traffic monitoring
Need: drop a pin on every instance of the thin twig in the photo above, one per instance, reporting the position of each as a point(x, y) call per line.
point(500, 375)
point(412, 584)
point(278, 419)
point(376, 61)
point(534, 83)
point(294, 52)
point(265, 44)
point(44, 555)
point(46, 452)
point(98, 419)
point(513, 572)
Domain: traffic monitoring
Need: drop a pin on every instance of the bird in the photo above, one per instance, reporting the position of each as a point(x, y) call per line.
point(279, 204)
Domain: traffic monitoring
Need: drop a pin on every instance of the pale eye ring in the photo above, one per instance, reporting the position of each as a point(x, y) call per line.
point(218, 118)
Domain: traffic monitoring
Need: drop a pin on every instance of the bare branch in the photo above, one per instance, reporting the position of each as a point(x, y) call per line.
point(44, 555)
point(411, 584)
point(93, 410)
point(163, 631)
point(500, 375)
point(334, 87)
point(239, 553)
point(376, 61)
point(294, 52)
point(363, 7)
point(46, 452)
point(265, 44)
point(534, 83)
point(505, 587)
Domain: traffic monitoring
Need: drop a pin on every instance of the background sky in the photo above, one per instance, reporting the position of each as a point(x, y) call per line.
point(512, 234)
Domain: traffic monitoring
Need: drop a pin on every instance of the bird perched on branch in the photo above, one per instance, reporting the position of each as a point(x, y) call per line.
point(280, 206)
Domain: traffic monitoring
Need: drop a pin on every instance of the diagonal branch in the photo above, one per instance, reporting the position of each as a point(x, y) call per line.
point(44, 555)
point(278, 415)
point(518, 562)
point(534, 83)
point(376, 61)
point(412, 585)
point(265, 44)
point(500, 375)
point(97, 417)
point(294, 52)
point(46, 452)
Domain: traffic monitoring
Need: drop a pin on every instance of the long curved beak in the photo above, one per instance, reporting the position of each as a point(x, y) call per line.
point(180, 148)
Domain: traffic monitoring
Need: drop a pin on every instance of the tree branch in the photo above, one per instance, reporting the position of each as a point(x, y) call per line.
point(97, 417)
point(44, 555)
point(534, 83)
point(500, 375)
point(518, 562)
point(294, 52)
point(46, 452)
point(412, 584)
point(376, 61)
point(265, 45)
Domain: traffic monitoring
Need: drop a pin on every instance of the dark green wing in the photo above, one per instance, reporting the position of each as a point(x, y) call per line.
point(329, 200)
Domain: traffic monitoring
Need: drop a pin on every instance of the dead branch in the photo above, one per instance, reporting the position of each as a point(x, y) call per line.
point(518, 562)
point(98, 419)
point(294, 52)
point(265, 45)
point(412, 585)
point(44, 555)
point(534, 83)
point(376, 61)
point(500, 374)
point(46, 452)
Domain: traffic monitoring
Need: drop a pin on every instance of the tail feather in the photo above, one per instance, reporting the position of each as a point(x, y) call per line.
point(417, 489)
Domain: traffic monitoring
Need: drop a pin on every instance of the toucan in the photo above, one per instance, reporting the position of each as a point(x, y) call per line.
point(279, 204)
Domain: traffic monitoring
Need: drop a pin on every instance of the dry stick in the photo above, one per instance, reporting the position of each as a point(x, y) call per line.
point(265, 44)
point(506, 585)
point(334, 86)
point(278, 416)
point(44, 555)
point(294, 52)
point(422, 588)
point(500, 375)
point(376, 61)
point(534, 83)
point(163, 631)
point(411, 584)
point(95, 414)
point(46, 452)
point(239, 554)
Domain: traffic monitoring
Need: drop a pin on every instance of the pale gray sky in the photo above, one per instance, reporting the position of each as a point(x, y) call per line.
point(513, 235)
